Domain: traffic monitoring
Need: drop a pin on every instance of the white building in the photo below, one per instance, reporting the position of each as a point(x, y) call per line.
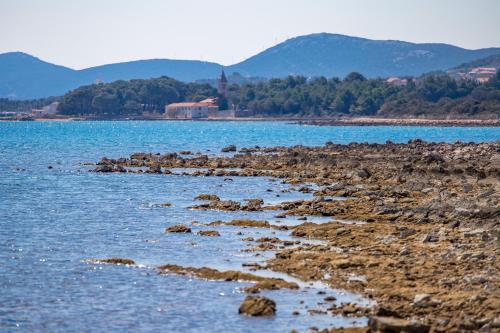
point(191, 110)
point(46, 110)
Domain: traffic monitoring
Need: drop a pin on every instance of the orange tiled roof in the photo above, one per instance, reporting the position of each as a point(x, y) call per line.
point(184, 104)
point(208, 101)
point(205, 102)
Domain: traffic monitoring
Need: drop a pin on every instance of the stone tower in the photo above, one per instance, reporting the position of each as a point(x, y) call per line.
point(222, 84)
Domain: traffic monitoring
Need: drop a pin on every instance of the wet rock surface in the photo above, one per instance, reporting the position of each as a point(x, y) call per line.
point(208, 197)
point(114, 261)
point(243, 223)
point(257, 306)
point(230, 148)
point(261, 283)
point(427, 250)
point(249, 205)
point(209, 233)
point(178, 228)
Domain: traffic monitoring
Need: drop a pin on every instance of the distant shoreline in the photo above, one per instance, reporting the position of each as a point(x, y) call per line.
point(365, 121)
point(359, 121)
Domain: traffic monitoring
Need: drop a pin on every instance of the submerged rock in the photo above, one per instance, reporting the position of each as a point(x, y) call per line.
point(224, 205)
point(253, 204)
point(249, 223)
point(103, 168)
point(210, 233)
point(257, 306)
point(230, 148)
point(178, 228)
point(208, 197)
point(115, 261)
point(261, 283)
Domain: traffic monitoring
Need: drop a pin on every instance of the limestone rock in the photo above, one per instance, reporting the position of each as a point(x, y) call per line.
point(257, 306)
point(394, 325)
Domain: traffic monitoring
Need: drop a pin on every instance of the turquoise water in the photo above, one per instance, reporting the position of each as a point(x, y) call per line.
point(51, 220)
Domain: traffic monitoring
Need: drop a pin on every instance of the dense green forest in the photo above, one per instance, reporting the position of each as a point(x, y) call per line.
point(430, 95)
point(435, 95)
point(122, 98)
point(9, 105)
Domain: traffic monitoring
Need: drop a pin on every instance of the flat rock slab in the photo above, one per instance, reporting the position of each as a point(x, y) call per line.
point(394, 325)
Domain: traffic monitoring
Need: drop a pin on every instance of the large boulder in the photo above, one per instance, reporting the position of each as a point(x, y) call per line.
point(257, 306)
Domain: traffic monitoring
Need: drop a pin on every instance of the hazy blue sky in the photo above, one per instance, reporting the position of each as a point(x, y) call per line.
point(82, 33)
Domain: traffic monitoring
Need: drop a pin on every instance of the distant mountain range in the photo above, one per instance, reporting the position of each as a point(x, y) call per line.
point(23, 76)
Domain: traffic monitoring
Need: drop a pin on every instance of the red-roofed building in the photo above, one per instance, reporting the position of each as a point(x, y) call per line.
point(191, 110)
point(482, 74)
point(396, 81)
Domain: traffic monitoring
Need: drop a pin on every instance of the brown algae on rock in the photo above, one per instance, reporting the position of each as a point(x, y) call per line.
point(257, 306)
point(178, 228)
point(113, 261)
point(261, 283)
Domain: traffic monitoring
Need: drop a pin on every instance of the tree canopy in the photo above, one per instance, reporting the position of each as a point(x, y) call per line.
point(355, 95)
point(121, 98)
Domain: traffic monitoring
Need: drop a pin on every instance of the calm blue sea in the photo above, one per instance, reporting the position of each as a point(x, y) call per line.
point(53, 219)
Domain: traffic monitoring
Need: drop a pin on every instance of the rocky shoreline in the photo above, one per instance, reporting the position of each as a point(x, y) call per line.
point(318, 121)
point(365, 121)
point(427, 241)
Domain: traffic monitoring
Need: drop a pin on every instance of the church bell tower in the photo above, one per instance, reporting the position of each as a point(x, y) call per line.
point(222, 84)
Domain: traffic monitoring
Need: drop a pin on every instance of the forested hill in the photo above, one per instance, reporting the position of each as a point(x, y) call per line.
point(436, 96)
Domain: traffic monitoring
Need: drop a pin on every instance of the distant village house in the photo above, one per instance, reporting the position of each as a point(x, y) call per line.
point(191, 110)
point(46, 110)
point(482, 74)
point(208, 108)
point(396, 81)
point(479, 74)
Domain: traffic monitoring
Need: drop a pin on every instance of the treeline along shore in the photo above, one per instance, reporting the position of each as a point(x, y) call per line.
point(429, 97)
